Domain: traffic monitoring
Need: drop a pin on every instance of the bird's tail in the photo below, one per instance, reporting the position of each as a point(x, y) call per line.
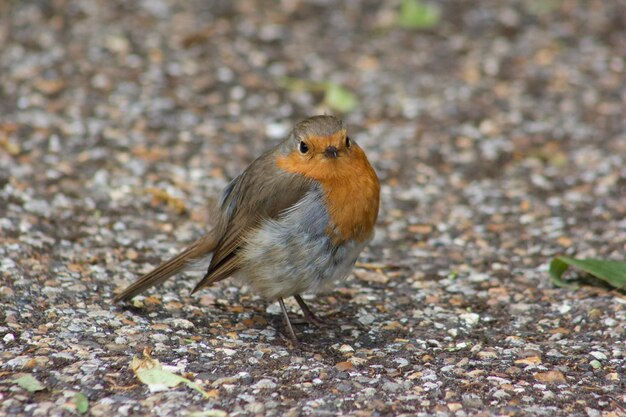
point(198, 250)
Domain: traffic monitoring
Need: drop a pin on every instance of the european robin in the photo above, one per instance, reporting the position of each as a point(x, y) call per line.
point(293, 222)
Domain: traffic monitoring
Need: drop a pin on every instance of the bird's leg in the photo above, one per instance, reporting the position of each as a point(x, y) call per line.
point(308, 314)
point(292, 334)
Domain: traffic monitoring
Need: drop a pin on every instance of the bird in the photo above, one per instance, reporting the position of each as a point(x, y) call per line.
point(293, 222)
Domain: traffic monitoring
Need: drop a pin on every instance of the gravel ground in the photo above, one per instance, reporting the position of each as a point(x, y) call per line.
point(500, 140)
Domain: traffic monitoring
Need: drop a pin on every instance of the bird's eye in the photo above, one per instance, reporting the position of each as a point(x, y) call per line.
point(303, 147)
point(348, 142)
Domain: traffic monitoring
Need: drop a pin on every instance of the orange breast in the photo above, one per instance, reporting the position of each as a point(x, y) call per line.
point(351, 188)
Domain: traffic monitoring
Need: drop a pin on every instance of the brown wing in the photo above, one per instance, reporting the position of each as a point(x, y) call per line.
point(197, 250)
point(261, 192)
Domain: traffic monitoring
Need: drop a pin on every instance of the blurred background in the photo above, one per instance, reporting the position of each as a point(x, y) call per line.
point(497, 128)
point(463, 107)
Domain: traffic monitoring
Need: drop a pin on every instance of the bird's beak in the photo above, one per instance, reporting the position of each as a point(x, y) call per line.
point(331, 152)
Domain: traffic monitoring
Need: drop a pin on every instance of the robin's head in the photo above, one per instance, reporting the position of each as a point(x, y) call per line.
point(319, 147)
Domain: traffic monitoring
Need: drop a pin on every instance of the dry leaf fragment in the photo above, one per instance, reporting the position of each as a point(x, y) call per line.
point(162, 196)
point(550, 377)
point(370, 276)
point(532, 360)
point(344, 366)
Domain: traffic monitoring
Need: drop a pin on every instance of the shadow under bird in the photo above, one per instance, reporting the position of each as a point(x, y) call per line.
point(293, 222)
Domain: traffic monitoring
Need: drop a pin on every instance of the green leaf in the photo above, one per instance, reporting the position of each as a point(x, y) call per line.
point(82, 403)
point(612, 272)
point(557, 269)
point(150, 372)
point(296, 84)
point(339, 99)
point(336, 97)
point(541, 7)
point(157, 378)
point(29, 383)
point(414, 14)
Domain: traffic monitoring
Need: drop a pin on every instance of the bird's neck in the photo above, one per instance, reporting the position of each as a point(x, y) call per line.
point(351, 190)
point(352, 202)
